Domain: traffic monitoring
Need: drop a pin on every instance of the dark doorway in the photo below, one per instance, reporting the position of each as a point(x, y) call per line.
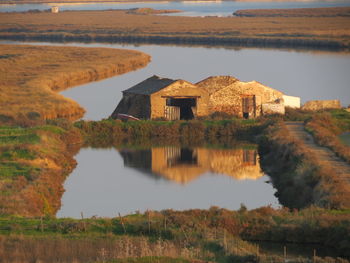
point(186, 106)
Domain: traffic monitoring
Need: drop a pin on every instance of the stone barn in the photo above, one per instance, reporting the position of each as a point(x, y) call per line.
point(242, 99)
point(170, 99)
point(165, 98)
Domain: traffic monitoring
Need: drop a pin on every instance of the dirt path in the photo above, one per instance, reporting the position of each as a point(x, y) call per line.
point(324, 155)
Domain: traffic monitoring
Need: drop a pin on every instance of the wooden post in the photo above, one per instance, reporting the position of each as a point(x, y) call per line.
point(149, 223)
point(257, 251)
point(82, 218)
point(41, 224)
point(225, 242)
point(285, 253)
point(314, 257)
point(122, 222)
point(165, 223)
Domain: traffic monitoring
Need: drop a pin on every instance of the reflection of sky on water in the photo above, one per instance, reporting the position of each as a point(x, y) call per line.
point(101, 185)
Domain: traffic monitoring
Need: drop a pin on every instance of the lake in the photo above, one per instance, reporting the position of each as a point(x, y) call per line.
point(224, 8)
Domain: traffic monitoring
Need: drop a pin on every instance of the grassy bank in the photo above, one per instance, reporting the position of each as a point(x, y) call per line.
point(119, 26)
point(301, 179)
point(34, 163)
point(31, 76)
point(326, 129)
point(215, 234)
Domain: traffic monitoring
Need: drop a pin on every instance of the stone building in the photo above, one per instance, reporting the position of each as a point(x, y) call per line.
point(243, 99)
point(166, 98)
point(170, 99)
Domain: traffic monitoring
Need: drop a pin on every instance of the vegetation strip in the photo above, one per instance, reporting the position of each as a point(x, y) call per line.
point(214, 234)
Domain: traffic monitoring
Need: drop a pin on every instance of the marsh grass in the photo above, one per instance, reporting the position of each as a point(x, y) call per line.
point(31, 76)
point(118, 25)
point(301, 179)
point(326, 127)
point(33, 164)
point(214, 234)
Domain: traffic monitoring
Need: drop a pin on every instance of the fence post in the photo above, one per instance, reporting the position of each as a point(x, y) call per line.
point(225, 241)
point(149, 223)
point(122, 222)
point(285, 253)
point(165, 223)
point(82, 218)
point(41, 224)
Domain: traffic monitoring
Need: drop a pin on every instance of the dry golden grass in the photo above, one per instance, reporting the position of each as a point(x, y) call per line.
point(118, 25)
point(30, 77)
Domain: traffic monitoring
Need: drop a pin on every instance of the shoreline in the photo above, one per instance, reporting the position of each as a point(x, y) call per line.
point(319, 45)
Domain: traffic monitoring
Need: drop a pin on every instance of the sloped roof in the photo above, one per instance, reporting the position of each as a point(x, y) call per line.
point(150, 85)
point(215, 83)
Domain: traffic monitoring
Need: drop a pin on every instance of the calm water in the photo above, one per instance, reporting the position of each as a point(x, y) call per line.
point(108, 181)
point(225, 8)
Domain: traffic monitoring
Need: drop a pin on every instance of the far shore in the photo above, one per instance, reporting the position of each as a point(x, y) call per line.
point(327, 28)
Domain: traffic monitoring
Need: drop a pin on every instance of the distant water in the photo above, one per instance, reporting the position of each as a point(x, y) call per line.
point(224, 8)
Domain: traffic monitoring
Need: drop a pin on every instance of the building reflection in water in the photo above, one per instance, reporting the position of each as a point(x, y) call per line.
point(183, 165)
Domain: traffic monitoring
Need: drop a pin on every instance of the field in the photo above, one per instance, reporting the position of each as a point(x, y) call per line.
point(31, 76)
point(323, 31)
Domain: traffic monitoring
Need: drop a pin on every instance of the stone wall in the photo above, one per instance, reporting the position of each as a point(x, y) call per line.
point(273, 108)
point(315, 105)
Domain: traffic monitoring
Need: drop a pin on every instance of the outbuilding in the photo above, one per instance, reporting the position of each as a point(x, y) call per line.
point(158, 97)
point(163, 98)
